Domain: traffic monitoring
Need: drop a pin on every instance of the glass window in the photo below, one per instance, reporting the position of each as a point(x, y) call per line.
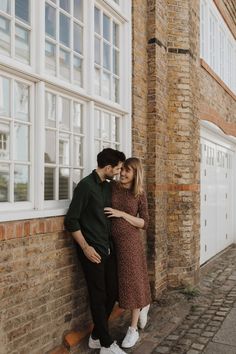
point(15, 127)
point(64, 145)
point(217, 43)
point(64, 52)
point(15, 24)
point(64, 30)
point(50, 20)
point(106, 57)
point(106, 130)
point(50, 58)
point(4, 96)
point(22, 10)
point(5, 36)
point(78, 9)
point(22, 49)
point(5, 6)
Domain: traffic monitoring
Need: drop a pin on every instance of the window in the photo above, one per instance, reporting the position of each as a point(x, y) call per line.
point(106, 57)
point(15, 30)
point(217, 44)
point(107, 130)
point(71, 99)
point(64, 143)
point(64, 32)
point(15, 132)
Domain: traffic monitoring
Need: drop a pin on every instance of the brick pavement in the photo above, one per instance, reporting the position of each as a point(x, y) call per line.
point(181, 324)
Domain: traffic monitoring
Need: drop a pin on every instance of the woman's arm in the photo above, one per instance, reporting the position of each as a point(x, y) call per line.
point(133, 220)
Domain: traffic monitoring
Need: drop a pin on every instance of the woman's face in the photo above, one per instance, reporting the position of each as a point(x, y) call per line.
point(127, 176)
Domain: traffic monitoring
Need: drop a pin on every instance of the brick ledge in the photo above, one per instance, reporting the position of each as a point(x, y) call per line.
point(73, 338)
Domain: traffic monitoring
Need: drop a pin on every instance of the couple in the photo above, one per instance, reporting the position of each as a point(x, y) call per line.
point(107, 248)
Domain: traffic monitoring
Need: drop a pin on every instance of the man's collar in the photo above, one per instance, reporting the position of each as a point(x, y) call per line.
point(97, 177)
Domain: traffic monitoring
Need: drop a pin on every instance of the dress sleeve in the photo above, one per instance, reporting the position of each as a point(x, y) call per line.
point(143, 209)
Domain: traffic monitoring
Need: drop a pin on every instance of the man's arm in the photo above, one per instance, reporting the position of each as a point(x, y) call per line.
point(89, 251)
point(79, 202)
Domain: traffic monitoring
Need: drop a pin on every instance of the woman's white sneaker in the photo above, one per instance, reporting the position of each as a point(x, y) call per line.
point(143, 317)
point(131, 338)
point(94, 343)
point(113, 349)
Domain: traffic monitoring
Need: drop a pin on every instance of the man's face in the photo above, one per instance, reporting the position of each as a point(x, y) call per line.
point(111, 172)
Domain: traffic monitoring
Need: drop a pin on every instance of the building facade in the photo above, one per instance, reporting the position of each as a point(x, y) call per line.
point(156, 79)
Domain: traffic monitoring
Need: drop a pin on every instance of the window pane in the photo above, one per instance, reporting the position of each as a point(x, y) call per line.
point(97, 50)
point(65, 5)
point(97, 149)
point(50, 109)
point(22, 49)
point(106, 27)
point(4, 97)
point(21, 140)
point(64, 179)
point(97, 81)
point(116, 90)
point(21, 183)
point(4, 182)
point(76, 177)
point(5, 6)
point(78, 118)
point(115, 62)
point(64, 65)
point(97, 26)
point(50, 20)
point(106, 56)
point(106, 85)
point(115, 34)
point(21, 101)
point(22, 10)
point(49, 184)
point(50, 148)
point(50, 61)
point(105, 126)
point(78, 38)
point(78, 71)
point(78, 152)
point(97, 124)
point(4, 141)
point(64, 113)
point(78, 9)
point(64, 30)
point(64, 149)
point(115, 133)
point(5, 39)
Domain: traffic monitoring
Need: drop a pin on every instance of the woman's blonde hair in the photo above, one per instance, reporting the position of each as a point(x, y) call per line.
point(135, 164)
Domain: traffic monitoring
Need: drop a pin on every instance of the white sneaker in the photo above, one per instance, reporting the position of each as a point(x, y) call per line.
point(143, 317)
point(131, 338)
point(113, 349)
point(94, 343)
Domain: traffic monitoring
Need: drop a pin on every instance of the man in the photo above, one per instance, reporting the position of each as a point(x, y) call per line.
point(91, 230)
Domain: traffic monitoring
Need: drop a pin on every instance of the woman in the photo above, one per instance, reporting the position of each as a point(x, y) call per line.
point(130, 213)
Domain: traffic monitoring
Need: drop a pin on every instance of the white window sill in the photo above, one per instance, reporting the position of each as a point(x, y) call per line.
point(30, 214)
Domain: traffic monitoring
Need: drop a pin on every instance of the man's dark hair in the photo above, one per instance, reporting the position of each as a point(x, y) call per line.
point(110, 156)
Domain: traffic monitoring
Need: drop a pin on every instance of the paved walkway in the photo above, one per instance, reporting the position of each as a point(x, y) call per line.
point(187, 323)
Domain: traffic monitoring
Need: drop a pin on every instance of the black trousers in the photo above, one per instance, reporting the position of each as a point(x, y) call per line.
point(103, 292)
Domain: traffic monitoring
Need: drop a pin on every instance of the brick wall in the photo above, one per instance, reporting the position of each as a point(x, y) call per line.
point(42, 292)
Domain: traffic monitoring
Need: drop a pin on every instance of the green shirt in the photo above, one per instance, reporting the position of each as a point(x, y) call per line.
point(86, 212)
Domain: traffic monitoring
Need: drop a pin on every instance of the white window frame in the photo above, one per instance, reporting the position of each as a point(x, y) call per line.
point(211, 43)
point(41, 81)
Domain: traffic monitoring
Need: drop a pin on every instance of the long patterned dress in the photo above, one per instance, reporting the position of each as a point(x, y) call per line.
point(134, 288)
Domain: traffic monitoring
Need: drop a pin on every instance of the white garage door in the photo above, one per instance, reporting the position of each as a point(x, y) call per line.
point(216, 195)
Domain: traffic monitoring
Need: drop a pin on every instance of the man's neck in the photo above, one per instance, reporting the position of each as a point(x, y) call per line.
point(100, 173)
